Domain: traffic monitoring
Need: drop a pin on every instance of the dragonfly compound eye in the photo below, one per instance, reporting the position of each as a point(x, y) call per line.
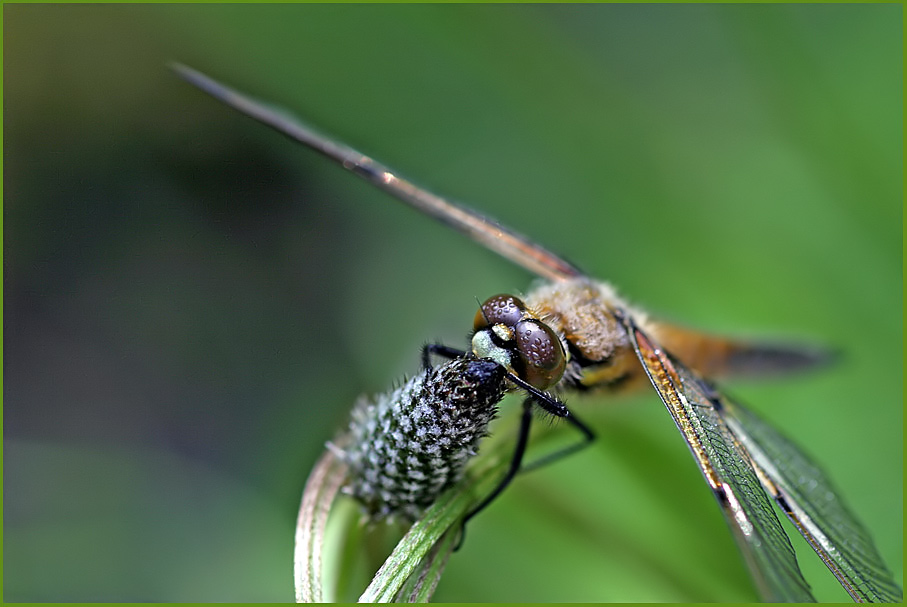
point(541, 353)
point(500, 309)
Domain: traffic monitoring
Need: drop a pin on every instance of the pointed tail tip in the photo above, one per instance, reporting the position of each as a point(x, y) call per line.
point(781, 359)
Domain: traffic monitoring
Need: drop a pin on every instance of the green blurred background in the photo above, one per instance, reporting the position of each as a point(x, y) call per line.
point(192, 303)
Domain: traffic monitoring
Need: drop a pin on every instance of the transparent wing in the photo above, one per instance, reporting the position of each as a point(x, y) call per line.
point(809, 500)
point(484, 230)
point(727, 469)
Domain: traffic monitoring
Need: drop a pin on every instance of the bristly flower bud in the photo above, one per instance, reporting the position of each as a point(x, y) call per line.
point(404, 448)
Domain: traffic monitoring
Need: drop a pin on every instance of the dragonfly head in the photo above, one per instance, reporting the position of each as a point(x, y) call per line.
point(508, 333)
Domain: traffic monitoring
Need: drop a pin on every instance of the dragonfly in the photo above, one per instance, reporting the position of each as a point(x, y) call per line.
point(613, 346)
point(403, 449)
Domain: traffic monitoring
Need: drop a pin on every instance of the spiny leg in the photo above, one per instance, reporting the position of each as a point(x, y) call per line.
point(558, 409)
point(516, 460)
point(439, 350)
point(588, 438)
point(548, 403)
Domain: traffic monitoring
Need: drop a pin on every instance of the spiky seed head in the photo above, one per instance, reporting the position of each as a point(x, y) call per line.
point(405, 447)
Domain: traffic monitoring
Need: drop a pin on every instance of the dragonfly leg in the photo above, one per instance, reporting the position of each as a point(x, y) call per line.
point(558, 409)
point(439, 350)
point(588, 438)
point(516, 460)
